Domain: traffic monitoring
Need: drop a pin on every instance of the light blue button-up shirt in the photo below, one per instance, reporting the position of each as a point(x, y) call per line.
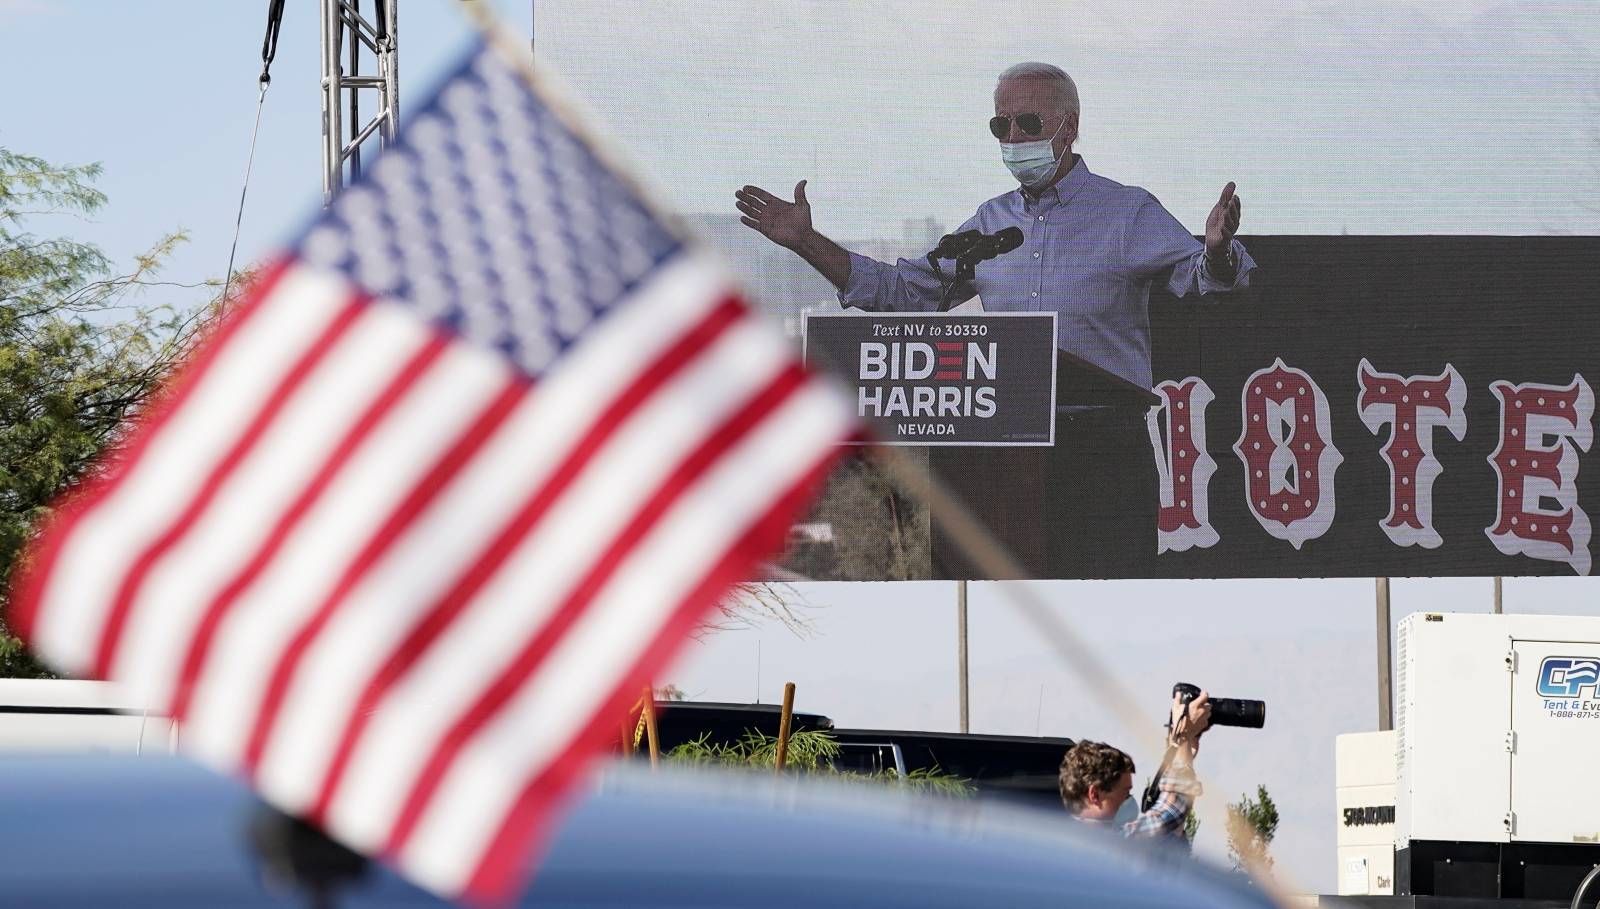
point(1090, 251)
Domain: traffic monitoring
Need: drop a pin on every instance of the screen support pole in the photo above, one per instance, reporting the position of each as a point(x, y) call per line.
point(348, 38)
point(1385, 696)
point(961, 651)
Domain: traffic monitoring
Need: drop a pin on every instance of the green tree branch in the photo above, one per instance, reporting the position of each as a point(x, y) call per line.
point(81, 354)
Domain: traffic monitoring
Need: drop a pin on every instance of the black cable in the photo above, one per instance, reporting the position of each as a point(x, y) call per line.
point(269, 44)
point(269, 50)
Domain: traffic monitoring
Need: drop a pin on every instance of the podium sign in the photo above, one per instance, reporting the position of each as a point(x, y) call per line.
point(939, 379)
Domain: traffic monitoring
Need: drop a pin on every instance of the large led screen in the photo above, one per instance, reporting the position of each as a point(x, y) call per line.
point(1319, 278)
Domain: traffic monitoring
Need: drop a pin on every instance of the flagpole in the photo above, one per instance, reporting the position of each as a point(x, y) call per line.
point(979, 547)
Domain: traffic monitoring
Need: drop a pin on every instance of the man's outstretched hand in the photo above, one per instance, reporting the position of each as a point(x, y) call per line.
point(1221, 224)
point(788, 224)
point(784, 223)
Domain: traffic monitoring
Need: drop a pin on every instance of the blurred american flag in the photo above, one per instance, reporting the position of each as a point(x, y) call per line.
point(416, 526)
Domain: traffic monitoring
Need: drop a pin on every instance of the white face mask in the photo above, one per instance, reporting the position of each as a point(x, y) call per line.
point(1032, 163)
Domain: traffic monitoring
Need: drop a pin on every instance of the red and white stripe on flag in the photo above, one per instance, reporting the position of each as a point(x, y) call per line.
point(403, 571)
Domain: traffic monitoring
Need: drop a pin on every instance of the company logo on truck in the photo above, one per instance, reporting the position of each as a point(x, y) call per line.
point(1567, 677)
point(1570, 687)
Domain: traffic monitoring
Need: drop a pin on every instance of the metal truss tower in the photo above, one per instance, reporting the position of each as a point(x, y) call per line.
point(359, 59)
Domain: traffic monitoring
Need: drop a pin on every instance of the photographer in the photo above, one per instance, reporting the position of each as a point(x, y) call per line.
point(1097, 778)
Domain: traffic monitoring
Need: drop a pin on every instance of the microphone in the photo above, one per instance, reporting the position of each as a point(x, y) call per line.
point(1007, 240)
point(991, 245)
point(968, 248)
point(954, 246)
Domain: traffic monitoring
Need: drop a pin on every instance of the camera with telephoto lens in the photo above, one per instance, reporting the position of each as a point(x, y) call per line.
point(1225, 711)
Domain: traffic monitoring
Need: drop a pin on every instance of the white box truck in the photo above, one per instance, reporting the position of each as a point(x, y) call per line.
point(1497, 724)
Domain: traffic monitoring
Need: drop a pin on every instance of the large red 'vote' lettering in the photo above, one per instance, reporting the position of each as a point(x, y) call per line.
point(1288, 453)
point(1412, 406)
point(1531, 471)
point(1184, 465)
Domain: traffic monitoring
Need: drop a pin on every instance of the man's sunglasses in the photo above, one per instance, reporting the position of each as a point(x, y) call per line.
point(1029, 123)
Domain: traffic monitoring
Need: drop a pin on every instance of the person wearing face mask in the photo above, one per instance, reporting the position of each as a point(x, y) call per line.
point(1092, 249)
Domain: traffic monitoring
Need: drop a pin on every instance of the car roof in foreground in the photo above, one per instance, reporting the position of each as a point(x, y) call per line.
point(146, 832)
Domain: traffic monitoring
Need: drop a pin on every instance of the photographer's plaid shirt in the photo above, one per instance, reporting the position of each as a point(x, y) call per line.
point(1178, 789)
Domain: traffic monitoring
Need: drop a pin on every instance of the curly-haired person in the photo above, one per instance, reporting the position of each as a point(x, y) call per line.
point(1097, 778)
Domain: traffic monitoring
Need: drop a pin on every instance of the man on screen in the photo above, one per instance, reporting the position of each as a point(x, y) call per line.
point(1092, 249)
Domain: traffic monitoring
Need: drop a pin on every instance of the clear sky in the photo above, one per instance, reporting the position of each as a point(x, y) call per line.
point(1366, 116)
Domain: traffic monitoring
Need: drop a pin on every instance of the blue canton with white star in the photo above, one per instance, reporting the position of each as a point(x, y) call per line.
point(488, 215)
